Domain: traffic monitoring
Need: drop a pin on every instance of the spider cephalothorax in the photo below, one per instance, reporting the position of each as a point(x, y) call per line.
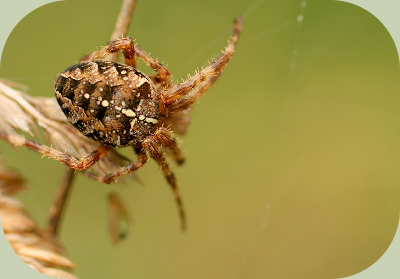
point(117, 105)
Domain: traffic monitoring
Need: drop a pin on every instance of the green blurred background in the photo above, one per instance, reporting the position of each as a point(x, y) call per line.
point(292, 159)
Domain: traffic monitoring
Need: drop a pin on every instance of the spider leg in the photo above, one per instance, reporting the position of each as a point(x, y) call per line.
point(205, 77)
point(188, 100)
point(131, 167)
point(130, 50)
point(162, 75)
point(177, 122)
point(72, 162)
point(151, 144)
point(165, 138)
point(124, 45)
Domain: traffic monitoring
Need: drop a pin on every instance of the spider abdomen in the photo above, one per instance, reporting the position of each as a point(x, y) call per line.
point(112, 103)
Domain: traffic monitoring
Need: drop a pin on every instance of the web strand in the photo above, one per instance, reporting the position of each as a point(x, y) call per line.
point(299, 20)
point(292, 66)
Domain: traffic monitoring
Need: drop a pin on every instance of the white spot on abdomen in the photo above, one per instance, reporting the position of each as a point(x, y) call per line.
point(151, 120)
point(130, 113)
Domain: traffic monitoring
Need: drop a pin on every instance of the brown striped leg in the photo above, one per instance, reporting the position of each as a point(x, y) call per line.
point(214, 69)
point(187, 101)
point(124, 45)
point(163, 73)
point(151, 144)
point(165, 138)
point(130, 50)
point(142, 159)
point(72, 162)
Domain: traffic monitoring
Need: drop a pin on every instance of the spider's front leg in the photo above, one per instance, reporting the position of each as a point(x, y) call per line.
point(174, 100)
point(162, 75)
point(130, 50)
point(72, 162)
point(124, 45)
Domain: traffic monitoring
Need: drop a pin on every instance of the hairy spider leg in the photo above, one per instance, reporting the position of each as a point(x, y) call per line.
point(72, 162)
point(187, 101)
point(172, 100)
point(131, 167)
point(163, 73)
point(124, 45)
point(130, 50)
point(166, 139)
point(151, 144)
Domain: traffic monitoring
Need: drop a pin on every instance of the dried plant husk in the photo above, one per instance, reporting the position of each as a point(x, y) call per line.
point(33, 245)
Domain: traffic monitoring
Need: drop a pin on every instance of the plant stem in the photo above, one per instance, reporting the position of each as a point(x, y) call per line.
point(124, 19)
point(60, 198)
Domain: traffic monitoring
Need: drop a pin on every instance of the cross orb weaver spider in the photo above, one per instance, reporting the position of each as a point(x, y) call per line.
point(117, 105)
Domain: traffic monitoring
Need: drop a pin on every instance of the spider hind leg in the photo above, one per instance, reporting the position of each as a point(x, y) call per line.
point(152, 145)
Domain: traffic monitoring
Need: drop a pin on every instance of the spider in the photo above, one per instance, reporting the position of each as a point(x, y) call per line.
point(118, 106)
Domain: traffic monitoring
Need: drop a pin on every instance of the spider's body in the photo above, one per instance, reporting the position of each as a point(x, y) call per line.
point(109, 102)
point(117, 105)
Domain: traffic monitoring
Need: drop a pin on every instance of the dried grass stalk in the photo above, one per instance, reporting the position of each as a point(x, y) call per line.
point(34, 246)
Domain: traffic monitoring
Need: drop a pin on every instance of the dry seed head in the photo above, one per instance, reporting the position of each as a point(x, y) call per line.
point(29, 242)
